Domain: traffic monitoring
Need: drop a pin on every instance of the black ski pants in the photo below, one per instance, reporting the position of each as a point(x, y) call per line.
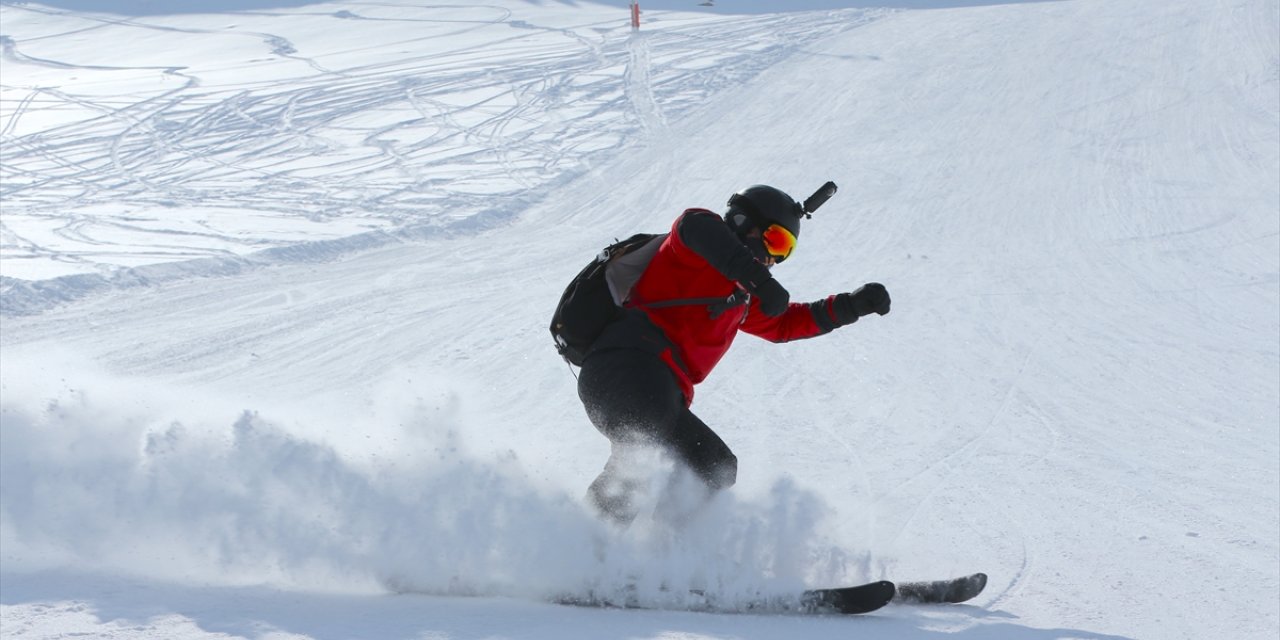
point(633, 398)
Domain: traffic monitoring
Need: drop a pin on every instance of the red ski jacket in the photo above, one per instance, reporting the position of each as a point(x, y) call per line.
point(716, 266)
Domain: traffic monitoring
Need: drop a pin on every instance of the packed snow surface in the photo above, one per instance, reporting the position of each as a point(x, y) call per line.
point(276, 276)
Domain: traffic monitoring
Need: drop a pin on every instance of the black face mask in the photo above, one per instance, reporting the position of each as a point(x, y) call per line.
point(743, 227)
point(756, 245)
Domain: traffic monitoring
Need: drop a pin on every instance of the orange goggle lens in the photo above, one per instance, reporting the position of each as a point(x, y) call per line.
point(778, 241)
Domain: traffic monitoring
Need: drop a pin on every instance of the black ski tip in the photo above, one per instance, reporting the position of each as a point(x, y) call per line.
point(952, 591)
point(979, 582)
point(863, 598)
point(966, 588)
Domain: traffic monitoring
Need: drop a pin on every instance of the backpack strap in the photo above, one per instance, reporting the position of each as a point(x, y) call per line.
point(624, 268)
point(716, 306)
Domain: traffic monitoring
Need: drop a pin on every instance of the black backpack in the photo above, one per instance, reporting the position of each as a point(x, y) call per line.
point(595, 297)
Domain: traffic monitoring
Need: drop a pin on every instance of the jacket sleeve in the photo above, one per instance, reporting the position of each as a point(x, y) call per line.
point(800, 320)
point(706, 234)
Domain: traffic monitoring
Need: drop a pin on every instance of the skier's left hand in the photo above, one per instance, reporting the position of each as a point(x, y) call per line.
point(869, 298)
point(773, 297)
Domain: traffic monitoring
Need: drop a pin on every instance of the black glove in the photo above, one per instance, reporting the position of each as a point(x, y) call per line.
point(773, 297)
point(869, 298)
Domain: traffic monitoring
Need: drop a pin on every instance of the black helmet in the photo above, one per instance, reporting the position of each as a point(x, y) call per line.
point(753, 214)
point(762, 205)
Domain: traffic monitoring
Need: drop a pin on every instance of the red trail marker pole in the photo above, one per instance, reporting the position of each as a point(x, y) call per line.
point(635, 15)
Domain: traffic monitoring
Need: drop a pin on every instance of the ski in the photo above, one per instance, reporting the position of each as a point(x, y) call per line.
point(848, 600)
point(952, 591)
point(869, 597)
point(863, 598)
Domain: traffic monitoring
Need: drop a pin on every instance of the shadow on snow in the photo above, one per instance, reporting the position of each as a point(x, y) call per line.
point(247, 611)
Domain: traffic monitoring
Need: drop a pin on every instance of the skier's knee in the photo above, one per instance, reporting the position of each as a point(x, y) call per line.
point(725, 473)
point(613, 498)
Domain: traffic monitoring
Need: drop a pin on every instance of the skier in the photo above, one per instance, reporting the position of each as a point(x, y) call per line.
point(637, 378)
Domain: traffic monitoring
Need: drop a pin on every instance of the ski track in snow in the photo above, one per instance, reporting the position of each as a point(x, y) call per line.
point(461, 137)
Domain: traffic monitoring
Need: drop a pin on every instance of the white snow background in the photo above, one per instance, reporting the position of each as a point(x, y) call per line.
point(277, 275)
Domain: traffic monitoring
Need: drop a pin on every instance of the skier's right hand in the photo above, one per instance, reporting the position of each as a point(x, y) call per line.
point(773, 297)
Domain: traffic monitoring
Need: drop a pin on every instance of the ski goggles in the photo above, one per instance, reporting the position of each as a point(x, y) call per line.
point(778, 242)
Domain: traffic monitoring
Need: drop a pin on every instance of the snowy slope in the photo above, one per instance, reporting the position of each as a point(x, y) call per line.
point(328, 369)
